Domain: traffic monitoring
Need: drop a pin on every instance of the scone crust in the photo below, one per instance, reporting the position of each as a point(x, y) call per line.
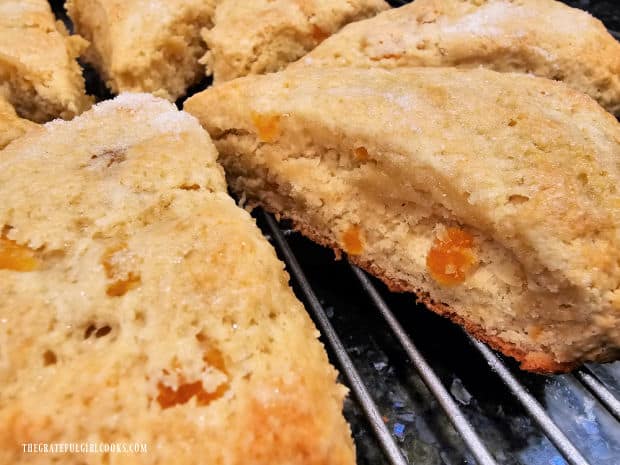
point(140, 304)
point(260, 36)
point(39, 74)
point(543, 37)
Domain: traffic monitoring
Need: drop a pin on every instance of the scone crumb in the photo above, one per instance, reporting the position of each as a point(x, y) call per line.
point(16, 257)
point(535, 331)
point(451, 257)
point(352, 240)
point(268, 126)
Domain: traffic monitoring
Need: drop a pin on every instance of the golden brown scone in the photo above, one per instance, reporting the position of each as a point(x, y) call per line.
point(542, 37)
point(145, 45)
point(39, 74)
point(140, 304)
point(494, 196)
point(261, 36)
point(11, 125)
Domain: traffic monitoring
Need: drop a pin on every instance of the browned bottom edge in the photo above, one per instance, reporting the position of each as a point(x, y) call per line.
point(537, 362)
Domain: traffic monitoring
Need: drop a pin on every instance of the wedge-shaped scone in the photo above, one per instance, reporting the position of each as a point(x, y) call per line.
point(11, 125)
point(493, 196)
point(542, 37)
point(145, 45)
point(39, 74)
point(260, 36)
point(139, 304)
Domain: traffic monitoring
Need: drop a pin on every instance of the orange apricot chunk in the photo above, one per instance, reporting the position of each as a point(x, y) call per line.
point(267, 126)
point(451, 257)
point(169, 397)
point(361, 154)
point(352, 240)
point(16, 257)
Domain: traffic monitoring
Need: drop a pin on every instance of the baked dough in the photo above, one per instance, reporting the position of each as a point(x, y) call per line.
point(145, 45)
point(260, 36)
point(11, 125)
point(39, 74)
point(543, 37)
point(140, 304)
point(493, 196)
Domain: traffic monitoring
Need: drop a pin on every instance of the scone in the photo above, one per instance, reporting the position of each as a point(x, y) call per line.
point(39, 74)
point(260, 36)
point(11, 125)
point(141, 305)
point(541, 37)
point(144, 45)
point(493, 196)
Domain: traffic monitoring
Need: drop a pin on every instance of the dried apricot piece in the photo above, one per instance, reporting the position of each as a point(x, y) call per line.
point(169, 397)
point(352, 240)
point(361, 154)
point(121, 287)
point(115, 262)
point(213, 357)
point(451, 257)
point(16, 257)
point(267, 126)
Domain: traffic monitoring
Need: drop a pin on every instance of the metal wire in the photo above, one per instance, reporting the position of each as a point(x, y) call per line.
point(555, 435)
point(597, 388)
point(354, 379)
point(432, 381)
point(572, 455)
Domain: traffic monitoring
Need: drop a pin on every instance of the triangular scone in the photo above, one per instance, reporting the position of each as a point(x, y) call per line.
point(260, 36)
point(145, 45)
point(542, 37)
point(141, 305)
point(494, 196)
point(11, 125)
point(39, 73)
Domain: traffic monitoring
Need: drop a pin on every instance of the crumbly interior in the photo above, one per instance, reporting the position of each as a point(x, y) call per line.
point(386, 165)
point(140, 304)
point(145, 47)
point(327, 192)
point(262, 36)
point(542, 37)
point(39, 74)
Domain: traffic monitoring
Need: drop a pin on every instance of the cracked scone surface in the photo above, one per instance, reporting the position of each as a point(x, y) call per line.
point(140, 304)
point(260, 36)
point(543, 37)
point(11, 125)
point(39, 74)
point(145, 45)
point(492, 195)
